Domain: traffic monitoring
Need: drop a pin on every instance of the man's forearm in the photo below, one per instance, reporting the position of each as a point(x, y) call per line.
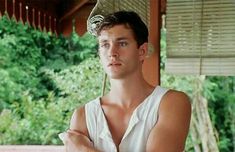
point(77, 142)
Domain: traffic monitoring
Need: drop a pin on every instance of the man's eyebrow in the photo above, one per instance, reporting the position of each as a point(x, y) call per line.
point(117, 39)
point(121, 38)
point(103, 40)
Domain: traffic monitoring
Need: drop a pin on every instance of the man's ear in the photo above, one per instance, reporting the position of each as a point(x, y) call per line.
point(143, 51)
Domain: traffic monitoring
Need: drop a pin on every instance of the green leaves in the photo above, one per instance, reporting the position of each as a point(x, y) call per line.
point(42, 80)
point(40, 121)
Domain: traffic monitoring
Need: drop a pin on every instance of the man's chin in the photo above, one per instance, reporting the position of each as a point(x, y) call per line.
point(115, 76)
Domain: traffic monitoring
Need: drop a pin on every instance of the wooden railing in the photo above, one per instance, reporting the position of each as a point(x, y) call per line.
point(31, 148)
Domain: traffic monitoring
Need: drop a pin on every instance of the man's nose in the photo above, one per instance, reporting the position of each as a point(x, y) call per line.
point(113, 51)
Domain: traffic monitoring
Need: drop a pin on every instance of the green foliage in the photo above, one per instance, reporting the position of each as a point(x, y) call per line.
point(33, 122)
point(81, 82)
point(39, 122)
point(24, 51)
point(34, 106)
point(222, 107)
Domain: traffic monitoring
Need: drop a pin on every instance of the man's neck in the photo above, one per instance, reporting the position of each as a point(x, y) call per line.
point(129, 92)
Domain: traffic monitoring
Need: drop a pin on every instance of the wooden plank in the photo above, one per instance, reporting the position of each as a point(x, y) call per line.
point(31, 148)
point(151, 66)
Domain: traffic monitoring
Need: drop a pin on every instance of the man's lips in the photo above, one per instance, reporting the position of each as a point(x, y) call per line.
point(114, 64)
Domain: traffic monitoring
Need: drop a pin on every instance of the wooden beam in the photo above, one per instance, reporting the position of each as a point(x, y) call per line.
point(151, 66)
point(31, 148)
point(163, 6)
point(80, 18)
point(74, 9)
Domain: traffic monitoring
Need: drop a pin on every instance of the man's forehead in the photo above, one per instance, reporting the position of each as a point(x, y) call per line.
point(118, 32)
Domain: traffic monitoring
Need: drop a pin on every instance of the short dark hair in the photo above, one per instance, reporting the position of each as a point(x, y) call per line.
point(130, 19)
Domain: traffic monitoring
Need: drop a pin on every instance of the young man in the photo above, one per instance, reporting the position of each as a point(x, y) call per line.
point(134, 116)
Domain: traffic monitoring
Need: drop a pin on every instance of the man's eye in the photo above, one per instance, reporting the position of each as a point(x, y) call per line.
point(105, 45)
point(122, 44)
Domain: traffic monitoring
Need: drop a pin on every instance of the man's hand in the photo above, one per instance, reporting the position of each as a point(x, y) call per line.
point(76, 142)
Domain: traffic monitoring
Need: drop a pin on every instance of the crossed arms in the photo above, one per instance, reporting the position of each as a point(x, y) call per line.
point(168, 135)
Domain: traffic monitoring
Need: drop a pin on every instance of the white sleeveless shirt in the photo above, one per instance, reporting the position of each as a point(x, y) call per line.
point(143, 119)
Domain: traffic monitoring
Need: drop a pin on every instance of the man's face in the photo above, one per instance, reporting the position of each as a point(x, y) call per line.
point(119, 53)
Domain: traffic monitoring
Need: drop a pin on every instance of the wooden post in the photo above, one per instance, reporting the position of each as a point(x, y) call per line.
point(151, 67)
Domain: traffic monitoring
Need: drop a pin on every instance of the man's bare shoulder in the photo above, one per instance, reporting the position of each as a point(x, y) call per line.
point(178, 94)
point(177, 98)
point(175, 103)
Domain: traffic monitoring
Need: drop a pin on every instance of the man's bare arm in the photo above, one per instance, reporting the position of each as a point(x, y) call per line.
point(77, 137)
point(171, 130)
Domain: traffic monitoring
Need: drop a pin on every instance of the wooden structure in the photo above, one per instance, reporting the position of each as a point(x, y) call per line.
point(57, 16)
point(31, 148)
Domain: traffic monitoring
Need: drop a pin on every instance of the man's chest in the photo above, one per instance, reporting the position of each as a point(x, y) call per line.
point(118, 122)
